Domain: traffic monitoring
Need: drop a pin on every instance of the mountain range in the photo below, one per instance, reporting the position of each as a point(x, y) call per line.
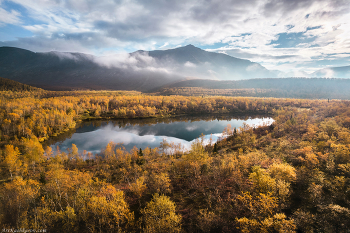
point(140, 70)
point(68, 71)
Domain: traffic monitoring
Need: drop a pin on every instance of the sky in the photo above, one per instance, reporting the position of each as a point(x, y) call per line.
point(295, 36)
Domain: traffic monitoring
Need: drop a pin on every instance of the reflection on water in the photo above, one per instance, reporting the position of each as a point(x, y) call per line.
point(142, 133)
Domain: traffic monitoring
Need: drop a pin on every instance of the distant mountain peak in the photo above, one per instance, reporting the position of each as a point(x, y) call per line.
point(190, 46)
point(138, 51)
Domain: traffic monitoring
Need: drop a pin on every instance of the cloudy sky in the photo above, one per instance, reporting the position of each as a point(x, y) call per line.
point(288, 35)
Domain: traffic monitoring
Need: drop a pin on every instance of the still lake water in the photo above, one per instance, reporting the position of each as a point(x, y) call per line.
point(94, 135)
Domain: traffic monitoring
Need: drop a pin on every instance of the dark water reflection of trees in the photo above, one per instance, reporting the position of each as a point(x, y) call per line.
point(88, 126)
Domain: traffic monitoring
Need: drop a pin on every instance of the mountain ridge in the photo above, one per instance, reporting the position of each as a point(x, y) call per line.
point(140, 70)
point(66, 71)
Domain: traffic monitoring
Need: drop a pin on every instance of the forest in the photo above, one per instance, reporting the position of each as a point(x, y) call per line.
point(291, 176)
point(300, 88)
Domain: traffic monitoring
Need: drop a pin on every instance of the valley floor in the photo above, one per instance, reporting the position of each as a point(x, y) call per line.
point(290, 176)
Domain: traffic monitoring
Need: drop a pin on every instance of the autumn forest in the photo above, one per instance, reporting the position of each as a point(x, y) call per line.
point(290, 176)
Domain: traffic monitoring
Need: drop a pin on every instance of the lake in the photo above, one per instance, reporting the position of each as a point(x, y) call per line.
point(94, 135)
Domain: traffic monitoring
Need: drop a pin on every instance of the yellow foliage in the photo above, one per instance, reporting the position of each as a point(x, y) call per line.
point(247, 161)
point(108, 212)
point(283, 171)
point(33, 150)
point(138, 187)
point(160, 183)
point(248, 225)
point(159, 215)
point(19, 195)
point(263, 183)
point(197, 153)
point(12, 160)
point(282, 191)
point(262, 215)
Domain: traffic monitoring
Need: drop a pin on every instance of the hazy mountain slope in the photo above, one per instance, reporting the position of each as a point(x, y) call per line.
point(136, 71)
point(333, 72)
point(267, 83)
point(64, 71)
point(277, 87)
point(195, 62)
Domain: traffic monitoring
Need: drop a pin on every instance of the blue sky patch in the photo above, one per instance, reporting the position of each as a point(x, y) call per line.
point(212, 46)
point(291, 40)
point(12, 32)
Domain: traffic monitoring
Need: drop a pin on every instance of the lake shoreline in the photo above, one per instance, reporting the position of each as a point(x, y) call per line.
point(240, 113)
point(135, 131)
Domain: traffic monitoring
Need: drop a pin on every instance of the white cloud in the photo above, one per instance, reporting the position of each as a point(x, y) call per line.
point(164, 45)
point(119, 60)
point(327, 73)
point(245, 25)
point(12, 17)
point(190, 64)
point(191, 128)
